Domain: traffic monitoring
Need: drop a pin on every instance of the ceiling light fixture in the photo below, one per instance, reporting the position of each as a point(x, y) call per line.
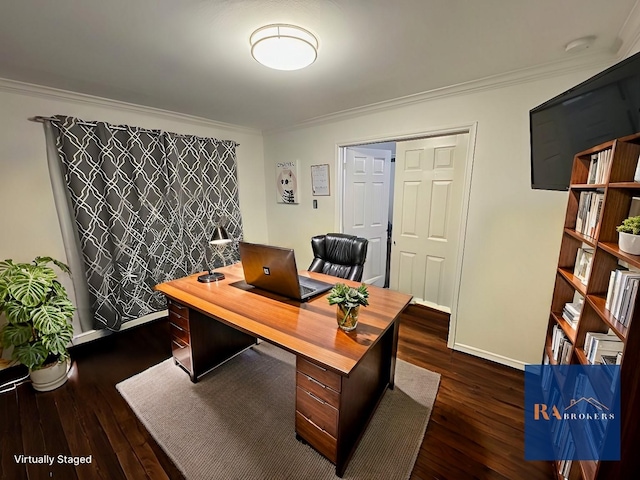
point(284, 47)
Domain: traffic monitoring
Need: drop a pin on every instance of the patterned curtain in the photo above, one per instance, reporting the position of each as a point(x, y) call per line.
point(144, 203)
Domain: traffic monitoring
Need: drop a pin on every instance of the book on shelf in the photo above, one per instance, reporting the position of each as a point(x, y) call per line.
point(588, 338)
point(603, 346)
point(599, 166)
point(622, 293)
point(636, 176)
point(571, 310)
point(588, 217)
point(561, 346)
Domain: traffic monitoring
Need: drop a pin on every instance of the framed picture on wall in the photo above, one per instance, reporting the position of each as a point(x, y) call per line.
point(320, 180)
point(287, 182)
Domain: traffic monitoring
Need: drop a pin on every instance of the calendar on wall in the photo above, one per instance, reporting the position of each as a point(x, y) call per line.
point(320, 180)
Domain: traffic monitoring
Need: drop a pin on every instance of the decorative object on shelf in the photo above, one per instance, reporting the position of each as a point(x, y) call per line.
point(218, 243)
point(348, 299)
point(38, 311)
point(629, 238)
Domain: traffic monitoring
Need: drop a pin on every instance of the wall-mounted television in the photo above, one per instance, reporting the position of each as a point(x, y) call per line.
point(602, 108)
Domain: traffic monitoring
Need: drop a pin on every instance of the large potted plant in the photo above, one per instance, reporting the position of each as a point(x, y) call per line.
point(348, 299)
point(39, 314)
point(629, 235)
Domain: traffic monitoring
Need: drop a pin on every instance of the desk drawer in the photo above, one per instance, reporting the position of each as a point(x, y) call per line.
point(317, 411)
point(182, 353)
point(316, 437)
point(178, 320)
point(320, 390)
point(324, 376)
point(179, 333)
point(178, 308)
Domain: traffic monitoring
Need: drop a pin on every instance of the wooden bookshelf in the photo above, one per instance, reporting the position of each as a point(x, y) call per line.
point(618, 188)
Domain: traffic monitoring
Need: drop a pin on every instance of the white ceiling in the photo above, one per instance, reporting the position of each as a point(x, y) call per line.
point(193, 56)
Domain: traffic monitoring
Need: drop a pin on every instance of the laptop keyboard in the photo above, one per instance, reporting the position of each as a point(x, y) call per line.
point(304, 290)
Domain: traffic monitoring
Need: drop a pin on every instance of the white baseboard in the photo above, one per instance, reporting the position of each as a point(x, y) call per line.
point(91, 335)
point(494, 357)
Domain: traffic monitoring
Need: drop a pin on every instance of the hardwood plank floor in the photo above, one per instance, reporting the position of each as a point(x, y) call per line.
point(476, 428)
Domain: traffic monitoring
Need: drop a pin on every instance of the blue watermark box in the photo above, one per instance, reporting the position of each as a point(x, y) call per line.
point(572, 412)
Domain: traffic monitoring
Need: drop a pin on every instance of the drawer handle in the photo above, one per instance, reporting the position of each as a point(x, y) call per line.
point(178, 345)
point(314, 424)
point(311, 379)
point(178, 306)
point(319, 400)
point(178, 327)
point(317, 366)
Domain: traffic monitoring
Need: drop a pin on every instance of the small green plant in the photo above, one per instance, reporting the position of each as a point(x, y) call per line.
point(348, 296)
point(38, 311)
point(630, 225)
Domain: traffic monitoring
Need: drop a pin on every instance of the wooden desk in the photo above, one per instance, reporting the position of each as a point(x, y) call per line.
point(340, 377)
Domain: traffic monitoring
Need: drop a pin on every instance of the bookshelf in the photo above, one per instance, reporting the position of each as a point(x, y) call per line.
point(593, 228)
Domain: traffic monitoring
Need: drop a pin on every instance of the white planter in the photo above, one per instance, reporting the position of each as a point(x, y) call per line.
point(629, 243)
point(49, 378)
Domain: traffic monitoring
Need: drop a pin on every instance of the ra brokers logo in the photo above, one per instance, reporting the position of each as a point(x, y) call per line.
point(572, 412)
point(602, 412)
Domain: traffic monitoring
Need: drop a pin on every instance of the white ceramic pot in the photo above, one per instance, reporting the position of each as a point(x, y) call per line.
point(50, 377)
point(629, 243)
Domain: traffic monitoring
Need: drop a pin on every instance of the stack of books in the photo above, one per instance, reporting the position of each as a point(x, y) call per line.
point(621, 294)
point(599, 166)
point(561, 346)
point(588, 218)
point(597, 344)
point(571, 312)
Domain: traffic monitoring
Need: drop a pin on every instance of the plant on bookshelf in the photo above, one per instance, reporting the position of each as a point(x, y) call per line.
point(629, 239)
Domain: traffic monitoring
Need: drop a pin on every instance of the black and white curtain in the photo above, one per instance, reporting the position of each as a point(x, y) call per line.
point(137, 207)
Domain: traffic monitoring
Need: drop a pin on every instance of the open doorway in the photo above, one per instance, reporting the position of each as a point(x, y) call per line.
point(410, 197)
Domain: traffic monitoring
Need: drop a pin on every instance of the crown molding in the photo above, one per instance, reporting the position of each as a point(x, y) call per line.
point(629, 34)
point(32, 90)
point(598, 59)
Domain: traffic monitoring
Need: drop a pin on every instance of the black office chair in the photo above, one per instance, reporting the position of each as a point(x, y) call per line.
point(339, 255)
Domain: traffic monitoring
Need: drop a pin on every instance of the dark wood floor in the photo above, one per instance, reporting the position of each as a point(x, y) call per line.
point(475, 431)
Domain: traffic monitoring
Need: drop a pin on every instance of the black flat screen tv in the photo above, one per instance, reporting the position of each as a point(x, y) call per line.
point(602, 108)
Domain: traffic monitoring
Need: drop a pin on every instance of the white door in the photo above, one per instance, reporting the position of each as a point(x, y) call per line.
point(366, 206)
point(427, 213)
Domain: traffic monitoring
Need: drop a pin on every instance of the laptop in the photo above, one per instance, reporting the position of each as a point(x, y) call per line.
point(274, 269)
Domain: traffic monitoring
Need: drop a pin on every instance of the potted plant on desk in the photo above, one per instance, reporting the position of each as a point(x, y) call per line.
point(38, 311)
point(349, 300)
point(629, 235)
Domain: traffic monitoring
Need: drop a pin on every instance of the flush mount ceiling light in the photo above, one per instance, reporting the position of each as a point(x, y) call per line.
point(284, 47)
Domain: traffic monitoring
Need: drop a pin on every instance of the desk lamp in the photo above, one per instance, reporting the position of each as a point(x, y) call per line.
point(219, 241)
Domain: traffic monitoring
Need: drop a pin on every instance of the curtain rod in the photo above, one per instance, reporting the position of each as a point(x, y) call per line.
point(41, 119)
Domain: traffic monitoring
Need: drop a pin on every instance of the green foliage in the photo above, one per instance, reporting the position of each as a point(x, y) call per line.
point(38, 311)
point(348, 296)
point(630, 225)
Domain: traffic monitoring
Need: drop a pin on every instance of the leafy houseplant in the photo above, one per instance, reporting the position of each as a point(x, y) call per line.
point(629, 238)
point(38, 311)
point(348, 299)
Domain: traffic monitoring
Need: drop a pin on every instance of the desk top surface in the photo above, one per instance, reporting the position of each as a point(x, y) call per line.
point(308, 329)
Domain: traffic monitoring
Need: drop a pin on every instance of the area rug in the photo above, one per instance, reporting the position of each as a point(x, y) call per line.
point(237, 422)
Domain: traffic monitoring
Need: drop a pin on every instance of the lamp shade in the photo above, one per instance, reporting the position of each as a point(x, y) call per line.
point(284, 47)
point(220, 236)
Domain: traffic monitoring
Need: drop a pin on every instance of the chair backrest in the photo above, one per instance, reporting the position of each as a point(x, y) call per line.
point(339, 255)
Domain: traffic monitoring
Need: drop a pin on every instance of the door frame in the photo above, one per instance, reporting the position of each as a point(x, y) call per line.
point(471, 129)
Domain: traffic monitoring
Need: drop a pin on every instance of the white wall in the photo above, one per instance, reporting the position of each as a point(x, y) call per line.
point(28, 220)
point(513, 232)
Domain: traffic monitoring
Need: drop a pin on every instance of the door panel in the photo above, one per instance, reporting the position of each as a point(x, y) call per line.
point(366, 206)
point(428, 181)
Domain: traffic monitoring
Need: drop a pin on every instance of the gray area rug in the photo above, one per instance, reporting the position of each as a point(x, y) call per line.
point(237, 422)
